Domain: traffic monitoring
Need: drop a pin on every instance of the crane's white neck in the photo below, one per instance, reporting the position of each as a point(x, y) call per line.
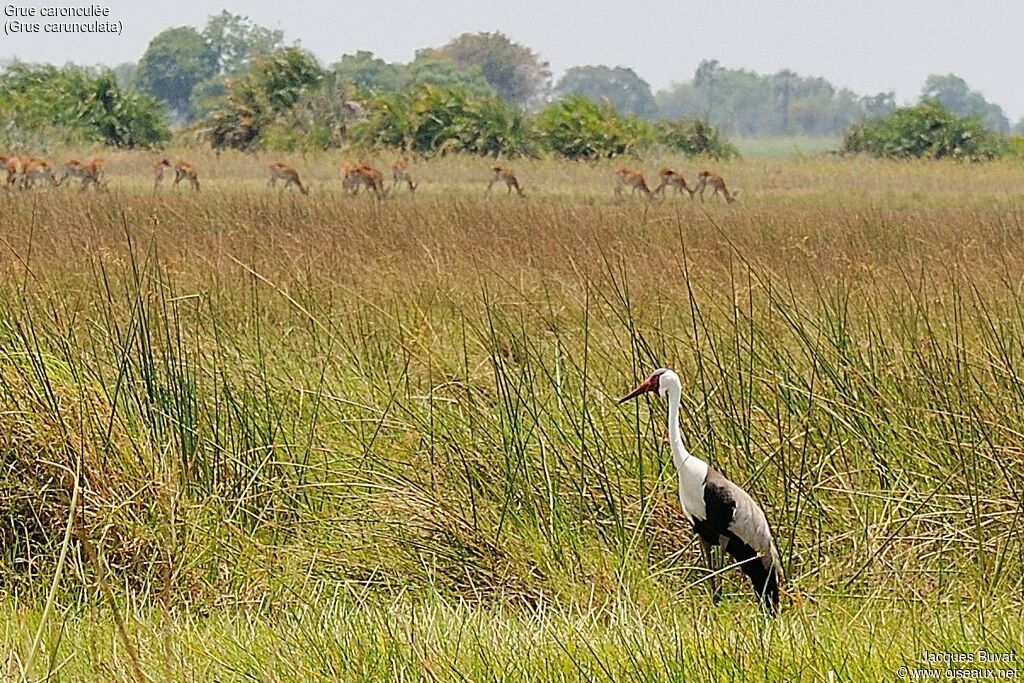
point(692, 470)
point(680, 455)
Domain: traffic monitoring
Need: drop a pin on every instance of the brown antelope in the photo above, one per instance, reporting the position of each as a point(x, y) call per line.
point(500, 174)
point(629, 178)
point(33, 169)
point(705, 178)
point(367, 175)
point(348, 178)
point(158, 172)
point(282, 171)
point(91, 172)
point(400, 174)
point(676, 180)
point(12, 165)
point(183, 170)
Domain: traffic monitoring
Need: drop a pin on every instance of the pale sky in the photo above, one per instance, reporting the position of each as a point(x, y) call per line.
point(868, 45)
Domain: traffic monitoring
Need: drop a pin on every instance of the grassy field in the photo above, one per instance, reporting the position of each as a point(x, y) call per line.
point(774, 147)
point(253, 435)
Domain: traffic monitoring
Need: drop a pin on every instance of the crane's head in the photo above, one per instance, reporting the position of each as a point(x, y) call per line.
point(658, 382)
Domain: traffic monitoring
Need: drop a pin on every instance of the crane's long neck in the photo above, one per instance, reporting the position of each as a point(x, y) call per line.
point(692, 470)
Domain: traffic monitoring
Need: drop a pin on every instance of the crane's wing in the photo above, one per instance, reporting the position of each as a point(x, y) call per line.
point(747, 537)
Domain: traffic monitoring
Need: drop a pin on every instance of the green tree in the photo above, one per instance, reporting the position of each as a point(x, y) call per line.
point(878, 106)
point(318, 120)
point(576, 128)
point(680, 100)
point(953, 93)
point(262, 98)
point(785, 83)
point(626, 91)
point(175, 61)
point(705, 79)
point(237, 41)
point(125, 74)
point(928, 131)
point(694, 137)
point(746, 103)
point(284, 75)
point(431, 120)
point(515, 71)
point(368, 73)
point(431, 69)
point(44, 105)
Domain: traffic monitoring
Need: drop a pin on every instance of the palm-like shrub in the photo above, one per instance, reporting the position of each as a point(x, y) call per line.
point(577, 128)
point(73, 105)
point(927, 130)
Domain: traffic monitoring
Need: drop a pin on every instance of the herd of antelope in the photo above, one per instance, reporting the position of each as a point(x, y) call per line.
point(23, 172)
point(633, 179)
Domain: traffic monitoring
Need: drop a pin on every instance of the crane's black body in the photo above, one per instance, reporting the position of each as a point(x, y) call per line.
point(720, 507)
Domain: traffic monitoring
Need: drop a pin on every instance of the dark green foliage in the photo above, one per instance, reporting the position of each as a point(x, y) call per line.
point(626, 91)
point(237, 41)
point(72, 105)
point(513, 70)
point(284, 75)
point(953, 93)
point(368, 73)
point(285, 102)
point(175, 61)
point(274, 85)
point(694, 137)
point(928, 131)
point(431, 69)
point(432, 120)
point(577, 128)
point(318, 120)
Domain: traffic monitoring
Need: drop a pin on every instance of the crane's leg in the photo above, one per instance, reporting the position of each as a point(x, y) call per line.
point(716, 589)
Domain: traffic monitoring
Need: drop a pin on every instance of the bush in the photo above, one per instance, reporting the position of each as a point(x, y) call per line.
point(1016, 146)
point(73, 105)
point(432, 120)
point(927, 131)
point(256, 101)
point(694, 137)
point(577, 128)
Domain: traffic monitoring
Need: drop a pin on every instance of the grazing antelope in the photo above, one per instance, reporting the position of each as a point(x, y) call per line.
point(183, 170)
point(400, 174)
point(507, 176)
point(348, 178)
point(91, 172)
point(281, 170)
point(705, 178)
point(11, 164)
point(676, 180)
point(158, 172)
point(33, 169)
point(367, 175)
point(629, 178)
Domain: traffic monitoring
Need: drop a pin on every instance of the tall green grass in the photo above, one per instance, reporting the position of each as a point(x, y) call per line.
point(321, 437)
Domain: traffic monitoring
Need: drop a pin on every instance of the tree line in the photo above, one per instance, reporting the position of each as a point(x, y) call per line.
point(240, 86)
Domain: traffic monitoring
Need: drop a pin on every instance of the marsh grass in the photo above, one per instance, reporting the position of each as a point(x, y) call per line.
point(324, 437)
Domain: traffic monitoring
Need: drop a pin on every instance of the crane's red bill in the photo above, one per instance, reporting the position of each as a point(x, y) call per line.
point(649, 385)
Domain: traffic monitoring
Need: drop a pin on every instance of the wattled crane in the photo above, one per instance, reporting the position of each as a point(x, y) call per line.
point(721, 512)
